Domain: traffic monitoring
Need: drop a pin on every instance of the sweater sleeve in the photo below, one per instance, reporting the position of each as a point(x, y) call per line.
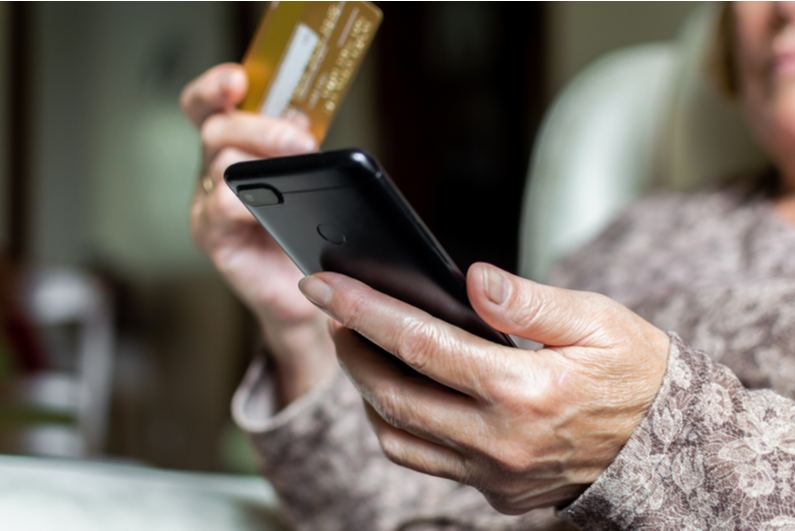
point(325, 462)
point(710, 454)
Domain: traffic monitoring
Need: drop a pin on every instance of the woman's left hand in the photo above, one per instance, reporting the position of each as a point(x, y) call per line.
point(526, 428)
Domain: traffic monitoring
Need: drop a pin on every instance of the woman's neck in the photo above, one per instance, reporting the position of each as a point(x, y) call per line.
point(784, 201)
point(785, 208)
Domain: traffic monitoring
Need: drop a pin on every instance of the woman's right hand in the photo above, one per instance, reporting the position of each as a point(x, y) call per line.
point(237, 245)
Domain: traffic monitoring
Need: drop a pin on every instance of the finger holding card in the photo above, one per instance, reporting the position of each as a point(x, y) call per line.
point(303, 59)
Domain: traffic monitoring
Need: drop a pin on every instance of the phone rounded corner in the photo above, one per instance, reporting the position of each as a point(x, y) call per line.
point(231, 172)
point(365, 159)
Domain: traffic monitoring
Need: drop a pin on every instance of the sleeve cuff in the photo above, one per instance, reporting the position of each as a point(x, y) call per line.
point(633, 482)
point(254, 403)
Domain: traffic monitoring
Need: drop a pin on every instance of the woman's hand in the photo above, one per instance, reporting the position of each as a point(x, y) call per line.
point(526, 428)
point(250, 260)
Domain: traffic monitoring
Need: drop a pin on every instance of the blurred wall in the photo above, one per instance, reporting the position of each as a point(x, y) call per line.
point(113, 170)
point(579, 32)
point(358, 122)
point(62, 59)
point(4, 118)
point(115, 160)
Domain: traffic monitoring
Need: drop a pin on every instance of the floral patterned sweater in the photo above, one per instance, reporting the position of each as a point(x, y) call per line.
point(716, 449)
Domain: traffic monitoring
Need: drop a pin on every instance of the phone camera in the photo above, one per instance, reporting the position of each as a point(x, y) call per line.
point(260, 196)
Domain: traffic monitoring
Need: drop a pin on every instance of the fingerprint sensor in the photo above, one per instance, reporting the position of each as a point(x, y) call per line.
point(331, 234)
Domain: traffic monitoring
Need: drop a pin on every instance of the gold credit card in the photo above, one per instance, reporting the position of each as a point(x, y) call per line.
point(304, 57)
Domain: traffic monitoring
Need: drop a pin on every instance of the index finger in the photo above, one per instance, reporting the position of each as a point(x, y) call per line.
point(219, 89)
point(451, 356)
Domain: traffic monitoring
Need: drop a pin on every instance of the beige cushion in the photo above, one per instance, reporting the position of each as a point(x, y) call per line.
point(638, 118)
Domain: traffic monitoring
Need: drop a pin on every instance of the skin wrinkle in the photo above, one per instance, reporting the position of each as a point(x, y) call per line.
point(520, 496)
point(343, 339)
point(387, 402)
point(355, 304)
point(602, 435)
point(519, 400)
point(414, 330)
point(502, 376)
point(420, 335)
point(404, 417)
point(397, 447)
point(513, 465)
point(609, 437)
point(402, 450)
point(531, 307)
point(597, 337)
point(458, 440)
point(415, 341)
point(526, 309)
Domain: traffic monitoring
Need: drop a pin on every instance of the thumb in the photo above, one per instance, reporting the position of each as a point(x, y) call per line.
point(552, 316)
point(218, 89)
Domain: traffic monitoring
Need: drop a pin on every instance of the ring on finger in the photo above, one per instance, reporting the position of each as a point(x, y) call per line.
point(208, 184)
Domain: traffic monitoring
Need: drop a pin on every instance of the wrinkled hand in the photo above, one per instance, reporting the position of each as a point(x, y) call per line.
point(526, 428)
point(250, 260)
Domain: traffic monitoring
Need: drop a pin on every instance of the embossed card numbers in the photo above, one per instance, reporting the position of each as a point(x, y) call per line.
point(304, 57)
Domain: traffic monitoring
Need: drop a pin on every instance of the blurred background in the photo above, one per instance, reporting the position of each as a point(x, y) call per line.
point(119, 341)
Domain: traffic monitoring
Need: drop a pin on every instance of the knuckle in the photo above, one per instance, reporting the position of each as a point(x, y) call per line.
point(530, 307)
point(212, 131)
point(504, 502)
point(392, 447)
point(355, 306)
point(388, 400)
point(509, 460)
point(415, 342)
point(504, 493)
point(494, 391)
point(519, 391)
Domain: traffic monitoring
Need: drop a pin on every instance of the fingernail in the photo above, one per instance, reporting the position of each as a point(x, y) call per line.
point(298, 144)
point(293, 143)
point(224, 82)
point(497, 287)
point(317, 291)
point(228, 80)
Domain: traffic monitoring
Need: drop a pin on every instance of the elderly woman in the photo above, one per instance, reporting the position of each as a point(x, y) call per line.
point(614, 422)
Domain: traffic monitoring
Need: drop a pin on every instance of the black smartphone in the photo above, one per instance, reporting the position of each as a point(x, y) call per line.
point(339, 211)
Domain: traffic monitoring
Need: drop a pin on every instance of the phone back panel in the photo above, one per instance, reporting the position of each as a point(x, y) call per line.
point(340, 212)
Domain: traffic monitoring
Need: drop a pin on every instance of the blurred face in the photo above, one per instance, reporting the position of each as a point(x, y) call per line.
point(765, 52)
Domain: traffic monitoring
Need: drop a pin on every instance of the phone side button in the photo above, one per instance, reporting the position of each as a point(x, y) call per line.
point(331, 234)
